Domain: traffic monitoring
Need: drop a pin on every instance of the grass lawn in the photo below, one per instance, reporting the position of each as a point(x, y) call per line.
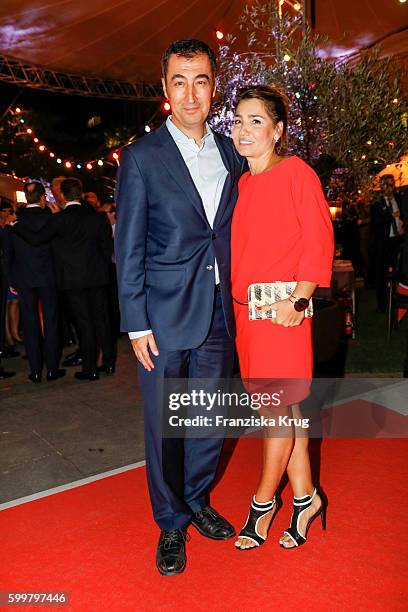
point(371, 351)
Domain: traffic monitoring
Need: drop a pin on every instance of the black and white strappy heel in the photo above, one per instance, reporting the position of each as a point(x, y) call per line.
point(300, 505)
point(250, 529)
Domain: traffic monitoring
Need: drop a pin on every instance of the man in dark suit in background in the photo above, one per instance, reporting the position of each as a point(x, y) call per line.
point(176, 191)
point(387, 228)
point(31, 273)
point(82, 247)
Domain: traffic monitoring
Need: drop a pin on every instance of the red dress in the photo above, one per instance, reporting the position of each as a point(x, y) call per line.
point(281, 231)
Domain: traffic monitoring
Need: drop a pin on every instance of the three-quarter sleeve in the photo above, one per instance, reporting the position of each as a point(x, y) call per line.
point(313, 214)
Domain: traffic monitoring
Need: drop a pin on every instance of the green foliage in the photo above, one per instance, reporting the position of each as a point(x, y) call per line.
point(335, 109)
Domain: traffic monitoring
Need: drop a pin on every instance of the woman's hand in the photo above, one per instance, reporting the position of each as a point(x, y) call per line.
point(286, 315)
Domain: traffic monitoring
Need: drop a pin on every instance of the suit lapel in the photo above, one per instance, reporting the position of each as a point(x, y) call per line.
point(227, 157)
point(171, 157)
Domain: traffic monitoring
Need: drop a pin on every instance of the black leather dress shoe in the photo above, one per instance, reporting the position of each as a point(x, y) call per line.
point(4, 374)
point(72, 360)
point(86, 375)
point(35, 377)
point(212, 525)
point(171, 552)
point(55, 374)
point(109, 370)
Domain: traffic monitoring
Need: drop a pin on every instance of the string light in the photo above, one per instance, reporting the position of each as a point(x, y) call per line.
point(395, 101)
point(166, 106)
point(369, 142)
point(286, 57)
point(219, 34)
point(148, 128)
point(68, 164)
point(297, 6)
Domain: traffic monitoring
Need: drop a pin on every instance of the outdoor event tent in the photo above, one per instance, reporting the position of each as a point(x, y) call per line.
point(123, 39)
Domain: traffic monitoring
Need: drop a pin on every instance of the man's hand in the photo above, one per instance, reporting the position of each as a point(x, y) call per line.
point(141, 348)
point(54, 207)
point(286, 315)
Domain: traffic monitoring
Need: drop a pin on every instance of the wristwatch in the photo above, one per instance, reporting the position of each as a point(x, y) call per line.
point(299, 304)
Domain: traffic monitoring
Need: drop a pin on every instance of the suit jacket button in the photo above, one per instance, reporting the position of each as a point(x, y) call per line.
point(209, 267)
point(214, 236)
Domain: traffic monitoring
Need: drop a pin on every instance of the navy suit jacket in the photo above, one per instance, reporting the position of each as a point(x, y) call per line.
point(29, 266)
point(165, 247)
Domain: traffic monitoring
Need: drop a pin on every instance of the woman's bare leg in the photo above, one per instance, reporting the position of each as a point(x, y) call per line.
point(15, 319)
point(277, 449)
point(300, 476)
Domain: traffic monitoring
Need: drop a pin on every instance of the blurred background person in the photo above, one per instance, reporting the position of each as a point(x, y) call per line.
point(3, 290)
point(91, 198)
point(82, 245)
point(387, 229)
point(12, 308)
point(31, 271)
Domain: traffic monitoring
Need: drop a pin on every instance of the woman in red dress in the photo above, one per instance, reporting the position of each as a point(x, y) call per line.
point(281, 231)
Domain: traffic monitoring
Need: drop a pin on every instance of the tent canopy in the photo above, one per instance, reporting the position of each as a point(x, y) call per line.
point(124, 39)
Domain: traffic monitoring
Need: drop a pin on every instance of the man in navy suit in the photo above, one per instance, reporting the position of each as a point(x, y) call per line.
point(176, 191)
point(32, 274)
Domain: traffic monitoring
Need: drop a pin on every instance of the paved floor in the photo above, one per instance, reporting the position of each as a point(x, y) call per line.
point(59, 432)
point(53, 434)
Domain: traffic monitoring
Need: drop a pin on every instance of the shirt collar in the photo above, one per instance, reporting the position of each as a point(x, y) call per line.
point(33, 206)
point(74, 202)
point(179, 136)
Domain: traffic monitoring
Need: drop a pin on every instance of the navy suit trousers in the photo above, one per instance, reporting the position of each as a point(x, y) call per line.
point(180, 471)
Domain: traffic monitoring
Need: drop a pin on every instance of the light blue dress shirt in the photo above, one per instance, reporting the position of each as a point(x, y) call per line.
point(208, 172)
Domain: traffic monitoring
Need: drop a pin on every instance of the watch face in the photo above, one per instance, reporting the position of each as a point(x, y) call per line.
point(301, 304)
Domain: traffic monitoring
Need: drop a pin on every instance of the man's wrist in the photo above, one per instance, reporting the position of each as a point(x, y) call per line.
point(134, 335)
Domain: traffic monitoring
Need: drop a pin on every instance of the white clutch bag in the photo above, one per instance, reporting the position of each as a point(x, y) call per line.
point(263, 294)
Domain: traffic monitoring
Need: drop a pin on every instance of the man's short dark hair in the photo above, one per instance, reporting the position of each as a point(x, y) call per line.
point(71, 188)
point(188, 48)
point(34, 190)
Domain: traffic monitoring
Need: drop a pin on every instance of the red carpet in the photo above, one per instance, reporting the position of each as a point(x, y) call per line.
point(98, 542)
